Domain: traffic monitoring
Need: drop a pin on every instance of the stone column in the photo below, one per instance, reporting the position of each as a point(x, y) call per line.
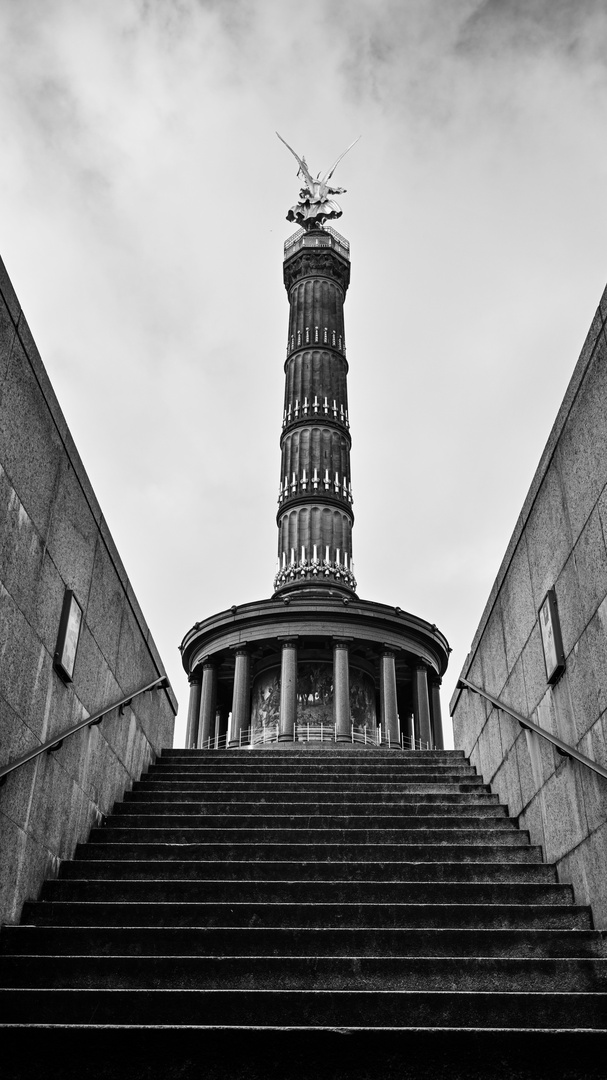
point(241, 707)
point(222, 716)
point(422, 704)
point(208, 700)
point(341, 691)
point(288, 690)
point(437, 720)
point(387, 697)
point(191, 731)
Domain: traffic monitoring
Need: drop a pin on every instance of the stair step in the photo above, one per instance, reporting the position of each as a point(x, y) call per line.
point(311, 852)
point(332, 797)
point(321, 772)
point(132, 815)
point(349, 1009)
point(309, 755)
point(450, 815)
point(306, 973)
point(200, 870)
point(181, 891)
point(311, 834)
point(330, 906)
point(297, 1052)
point(316, 788)
point(281, 940)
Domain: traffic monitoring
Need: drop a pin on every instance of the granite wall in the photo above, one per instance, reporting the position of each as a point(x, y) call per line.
point(52, 537)
point(559, 541)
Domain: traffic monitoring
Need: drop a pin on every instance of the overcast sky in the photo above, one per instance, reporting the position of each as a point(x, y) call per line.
point(143, 195)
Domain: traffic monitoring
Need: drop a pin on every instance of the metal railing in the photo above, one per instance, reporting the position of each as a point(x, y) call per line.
point(57, 741)
point(303, 238)
point(561, 747)
point(315, 733)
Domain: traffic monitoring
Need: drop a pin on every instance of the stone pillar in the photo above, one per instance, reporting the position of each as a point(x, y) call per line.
point(241, 706)
point(341, 692)
point(422, 704)
point(410, 731)
point(288, 690)
point(208, 700)
point(387, 696)
point(191, 731)
point(222, 717)
point(437, 720)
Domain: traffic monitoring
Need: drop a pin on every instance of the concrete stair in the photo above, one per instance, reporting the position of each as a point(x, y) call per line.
point(300, 912)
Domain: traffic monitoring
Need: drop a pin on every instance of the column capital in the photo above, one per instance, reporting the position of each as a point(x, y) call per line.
point(389, 650)
point(421, 665)
point(242, 649)
point(342, 642)
point(288, 642)
point(436, 680)
point(195, 676)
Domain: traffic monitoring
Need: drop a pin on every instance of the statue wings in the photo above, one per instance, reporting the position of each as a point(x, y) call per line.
point(329, 174)
point(303, 168)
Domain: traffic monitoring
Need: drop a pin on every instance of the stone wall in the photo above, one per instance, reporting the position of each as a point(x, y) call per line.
point(52, 537)
point(560, 542)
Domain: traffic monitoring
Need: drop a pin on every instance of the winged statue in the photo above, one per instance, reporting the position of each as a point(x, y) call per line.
point(314, 206)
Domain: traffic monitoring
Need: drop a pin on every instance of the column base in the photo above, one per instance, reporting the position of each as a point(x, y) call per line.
point(343, 738)
point(286, 737)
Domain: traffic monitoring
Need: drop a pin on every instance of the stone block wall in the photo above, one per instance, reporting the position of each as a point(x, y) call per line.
point(559, 542)
point(53, 537)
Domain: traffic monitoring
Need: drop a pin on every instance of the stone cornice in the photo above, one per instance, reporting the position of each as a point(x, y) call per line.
point(378, 625)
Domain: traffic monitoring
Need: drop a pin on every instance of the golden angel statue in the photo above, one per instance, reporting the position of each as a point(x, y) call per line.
point(314, 206)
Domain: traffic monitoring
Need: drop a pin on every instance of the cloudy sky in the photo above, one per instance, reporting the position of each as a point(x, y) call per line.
point(143, 195)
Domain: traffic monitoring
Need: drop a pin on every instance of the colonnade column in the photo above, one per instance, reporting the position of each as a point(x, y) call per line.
point(208, 700)
point(437, 721)
point(241, 708)
point(387, 697)
point(422, 704)
point(222, 716)
point(288, 690)
point(191, 731)
point(341, 691)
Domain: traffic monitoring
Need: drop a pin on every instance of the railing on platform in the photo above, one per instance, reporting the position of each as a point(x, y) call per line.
point(316, 239)
point(315, 733)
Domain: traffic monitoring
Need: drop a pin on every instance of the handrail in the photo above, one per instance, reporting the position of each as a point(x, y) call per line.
point(57, 740)
point(562, 747)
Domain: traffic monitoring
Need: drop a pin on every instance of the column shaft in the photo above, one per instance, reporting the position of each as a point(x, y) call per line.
point(410, 731)
point(288, 691)
point(387, 690)
point(208, 699)
point(422, 704)
point(222, 716)
point(341, 692)
point(437, 720)
point(191, 731)
point(241, 710)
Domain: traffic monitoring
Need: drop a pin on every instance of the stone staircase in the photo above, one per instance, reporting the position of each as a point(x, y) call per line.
point(305, 912)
